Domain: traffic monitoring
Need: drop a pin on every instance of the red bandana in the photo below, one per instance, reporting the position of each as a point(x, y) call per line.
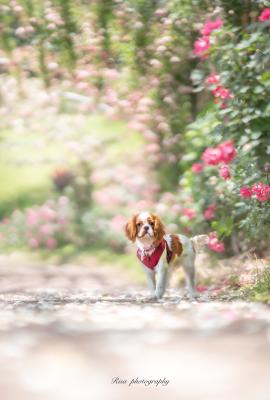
point(152, 260)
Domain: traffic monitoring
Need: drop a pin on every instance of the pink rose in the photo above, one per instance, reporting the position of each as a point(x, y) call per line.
point(201, 45)
point(224, 172)
point(222, 93)
point(210, 26)
point(189, 213)
point(224, 152)
point(245, 192)
point(209, 213)
point(212, 79)
point(212, 156)
point(214, 243)
point(261, 191)
point(228, 151)
point(265, 15)
point(257, 187)
point(197, 168)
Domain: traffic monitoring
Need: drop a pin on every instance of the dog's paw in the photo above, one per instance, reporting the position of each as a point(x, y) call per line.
point(193, 295)
point(159, 293)
point(191, 292)
point(149, 298)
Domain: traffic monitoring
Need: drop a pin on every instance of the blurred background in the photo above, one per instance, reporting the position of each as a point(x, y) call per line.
point(111, 107)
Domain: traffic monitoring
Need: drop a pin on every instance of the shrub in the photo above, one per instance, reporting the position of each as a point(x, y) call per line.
point(240, 85)
point(261, 290)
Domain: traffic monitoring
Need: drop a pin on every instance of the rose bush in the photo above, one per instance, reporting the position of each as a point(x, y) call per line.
point(55, 224)
point(240, 59)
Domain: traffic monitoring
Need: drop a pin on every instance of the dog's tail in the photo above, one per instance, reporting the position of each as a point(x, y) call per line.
point(199, 242)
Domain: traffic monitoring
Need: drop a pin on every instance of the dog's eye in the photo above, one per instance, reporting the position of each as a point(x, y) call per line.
point(152, 224)
point(139, 224)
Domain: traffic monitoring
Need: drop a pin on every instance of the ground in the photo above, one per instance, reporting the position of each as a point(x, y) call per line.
point(67, 331)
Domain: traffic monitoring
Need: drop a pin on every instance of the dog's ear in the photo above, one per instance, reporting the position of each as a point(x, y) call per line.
point(159, 229)
point(131, 228)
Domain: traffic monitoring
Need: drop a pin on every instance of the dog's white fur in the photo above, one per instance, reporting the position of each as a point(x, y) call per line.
point(157, 278)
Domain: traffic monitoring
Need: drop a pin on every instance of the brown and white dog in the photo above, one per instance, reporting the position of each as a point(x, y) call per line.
point(157, 251)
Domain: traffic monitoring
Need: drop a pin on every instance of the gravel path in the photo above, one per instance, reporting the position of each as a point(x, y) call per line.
point(67, 332)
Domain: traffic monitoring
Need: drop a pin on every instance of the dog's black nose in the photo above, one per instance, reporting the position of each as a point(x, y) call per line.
point(146, 228)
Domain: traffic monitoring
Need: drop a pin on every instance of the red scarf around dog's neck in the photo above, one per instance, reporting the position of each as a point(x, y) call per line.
point(150, 260)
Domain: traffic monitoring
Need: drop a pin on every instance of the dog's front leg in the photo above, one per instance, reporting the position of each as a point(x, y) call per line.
point(151, 281)
point(161, 279)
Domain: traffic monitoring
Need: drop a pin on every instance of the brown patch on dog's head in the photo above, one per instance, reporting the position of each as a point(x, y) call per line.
point(131, 228)
point(159, 229)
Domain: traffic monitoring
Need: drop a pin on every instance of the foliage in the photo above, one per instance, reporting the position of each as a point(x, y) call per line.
point(240, 60)
point(261, 290)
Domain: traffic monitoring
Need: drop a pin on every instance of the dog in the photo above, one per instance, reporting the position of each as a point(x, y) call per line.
point(158, 251)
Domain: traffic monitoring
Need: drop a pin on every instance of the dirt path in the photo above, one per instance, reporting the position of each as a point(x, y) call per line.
point(67, 331)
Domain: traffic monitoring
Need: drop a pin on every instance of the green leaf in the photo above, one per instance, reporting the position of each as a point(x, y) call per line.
point(244, 89)
point(265, 77)
point(247, 119)
point(259, 89)
point(223, 227)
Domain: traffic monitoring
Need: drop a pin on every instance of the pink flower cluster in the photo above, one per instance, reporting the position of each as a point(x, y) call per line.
point(223, 153)
point(245, 192)
point(37, 227)
point(259, 190)
point(265, 15)
point(212, 79)
point(189, 213)
point(224, 172)
point(202, 44)
point(209, 213)
point(210, 26)
point(197, 168)
point(45, 223)
point(219, 92)
point(214, 244)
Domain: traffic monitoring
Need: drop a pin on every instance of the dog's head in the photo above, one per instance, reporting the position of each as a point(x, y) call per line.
point(145, 226)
